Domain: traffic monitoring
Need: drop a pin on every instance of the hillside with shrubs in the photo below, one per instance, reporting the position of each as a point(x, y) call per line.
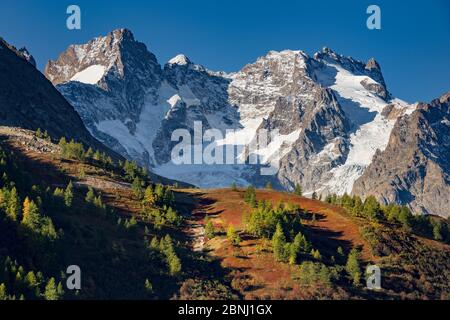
point(134, 237)
point(62, 204)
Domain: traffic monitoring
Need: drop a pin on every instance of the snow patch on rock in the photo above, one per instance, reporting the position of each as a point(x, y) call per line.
point(90, 75)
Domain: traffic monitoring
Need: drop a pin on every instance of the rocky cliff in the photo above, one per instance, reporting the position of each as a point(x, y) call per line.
point(414, 169)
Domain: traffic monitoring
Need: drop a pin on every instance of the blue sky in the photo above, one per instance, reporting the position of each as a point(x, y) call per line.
point(413, 46)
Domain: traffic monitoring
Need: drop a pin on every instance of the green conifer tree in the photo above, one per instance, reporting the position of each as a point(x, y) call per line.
point(372, 208)
point(279, 244)
point(13, 205)
point(51, 290)
point(137, 188)
point(148, 286)
point(90, 196)
point(353, 268)
point(3, 294)
point(31, 217)
point(298, 190)
point(209, 228)
point(68, 195)
point(232, 235)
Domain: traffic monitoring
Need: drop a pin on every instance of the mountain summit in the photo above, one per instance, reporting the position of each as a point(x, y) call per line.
point(180, 59)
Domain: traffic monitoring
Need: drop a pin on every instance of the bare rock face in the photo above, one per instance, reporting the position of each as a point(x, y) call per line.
point(28, 100)
point(375, 88)
point(324, 123)
point(414, 169)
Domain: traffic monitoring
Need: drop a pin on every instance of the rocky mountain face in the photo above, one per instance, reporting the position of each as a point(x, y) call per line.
point(280, 92)
point(28, 100)
point(414, 168)
point(326, 115)
point(339, 139)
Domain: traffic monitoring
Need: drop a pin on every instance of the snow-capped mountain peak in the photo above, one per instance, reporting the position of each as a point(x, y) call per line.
point(117, 54)
point(180, 59)
point(371, 68)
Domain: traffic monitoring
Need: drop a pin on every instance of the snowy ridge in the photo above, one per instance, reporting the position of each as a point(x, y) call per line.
point(180, 59)
point(371, 130)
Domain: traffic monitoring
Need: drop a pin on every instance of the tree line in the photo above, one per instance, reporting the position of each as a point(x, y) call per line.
point(372, 210)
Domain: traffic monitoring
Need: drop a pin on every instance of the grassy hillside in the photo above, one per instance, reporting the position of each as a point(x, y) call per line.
point(412, 267)
point(134, 238)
